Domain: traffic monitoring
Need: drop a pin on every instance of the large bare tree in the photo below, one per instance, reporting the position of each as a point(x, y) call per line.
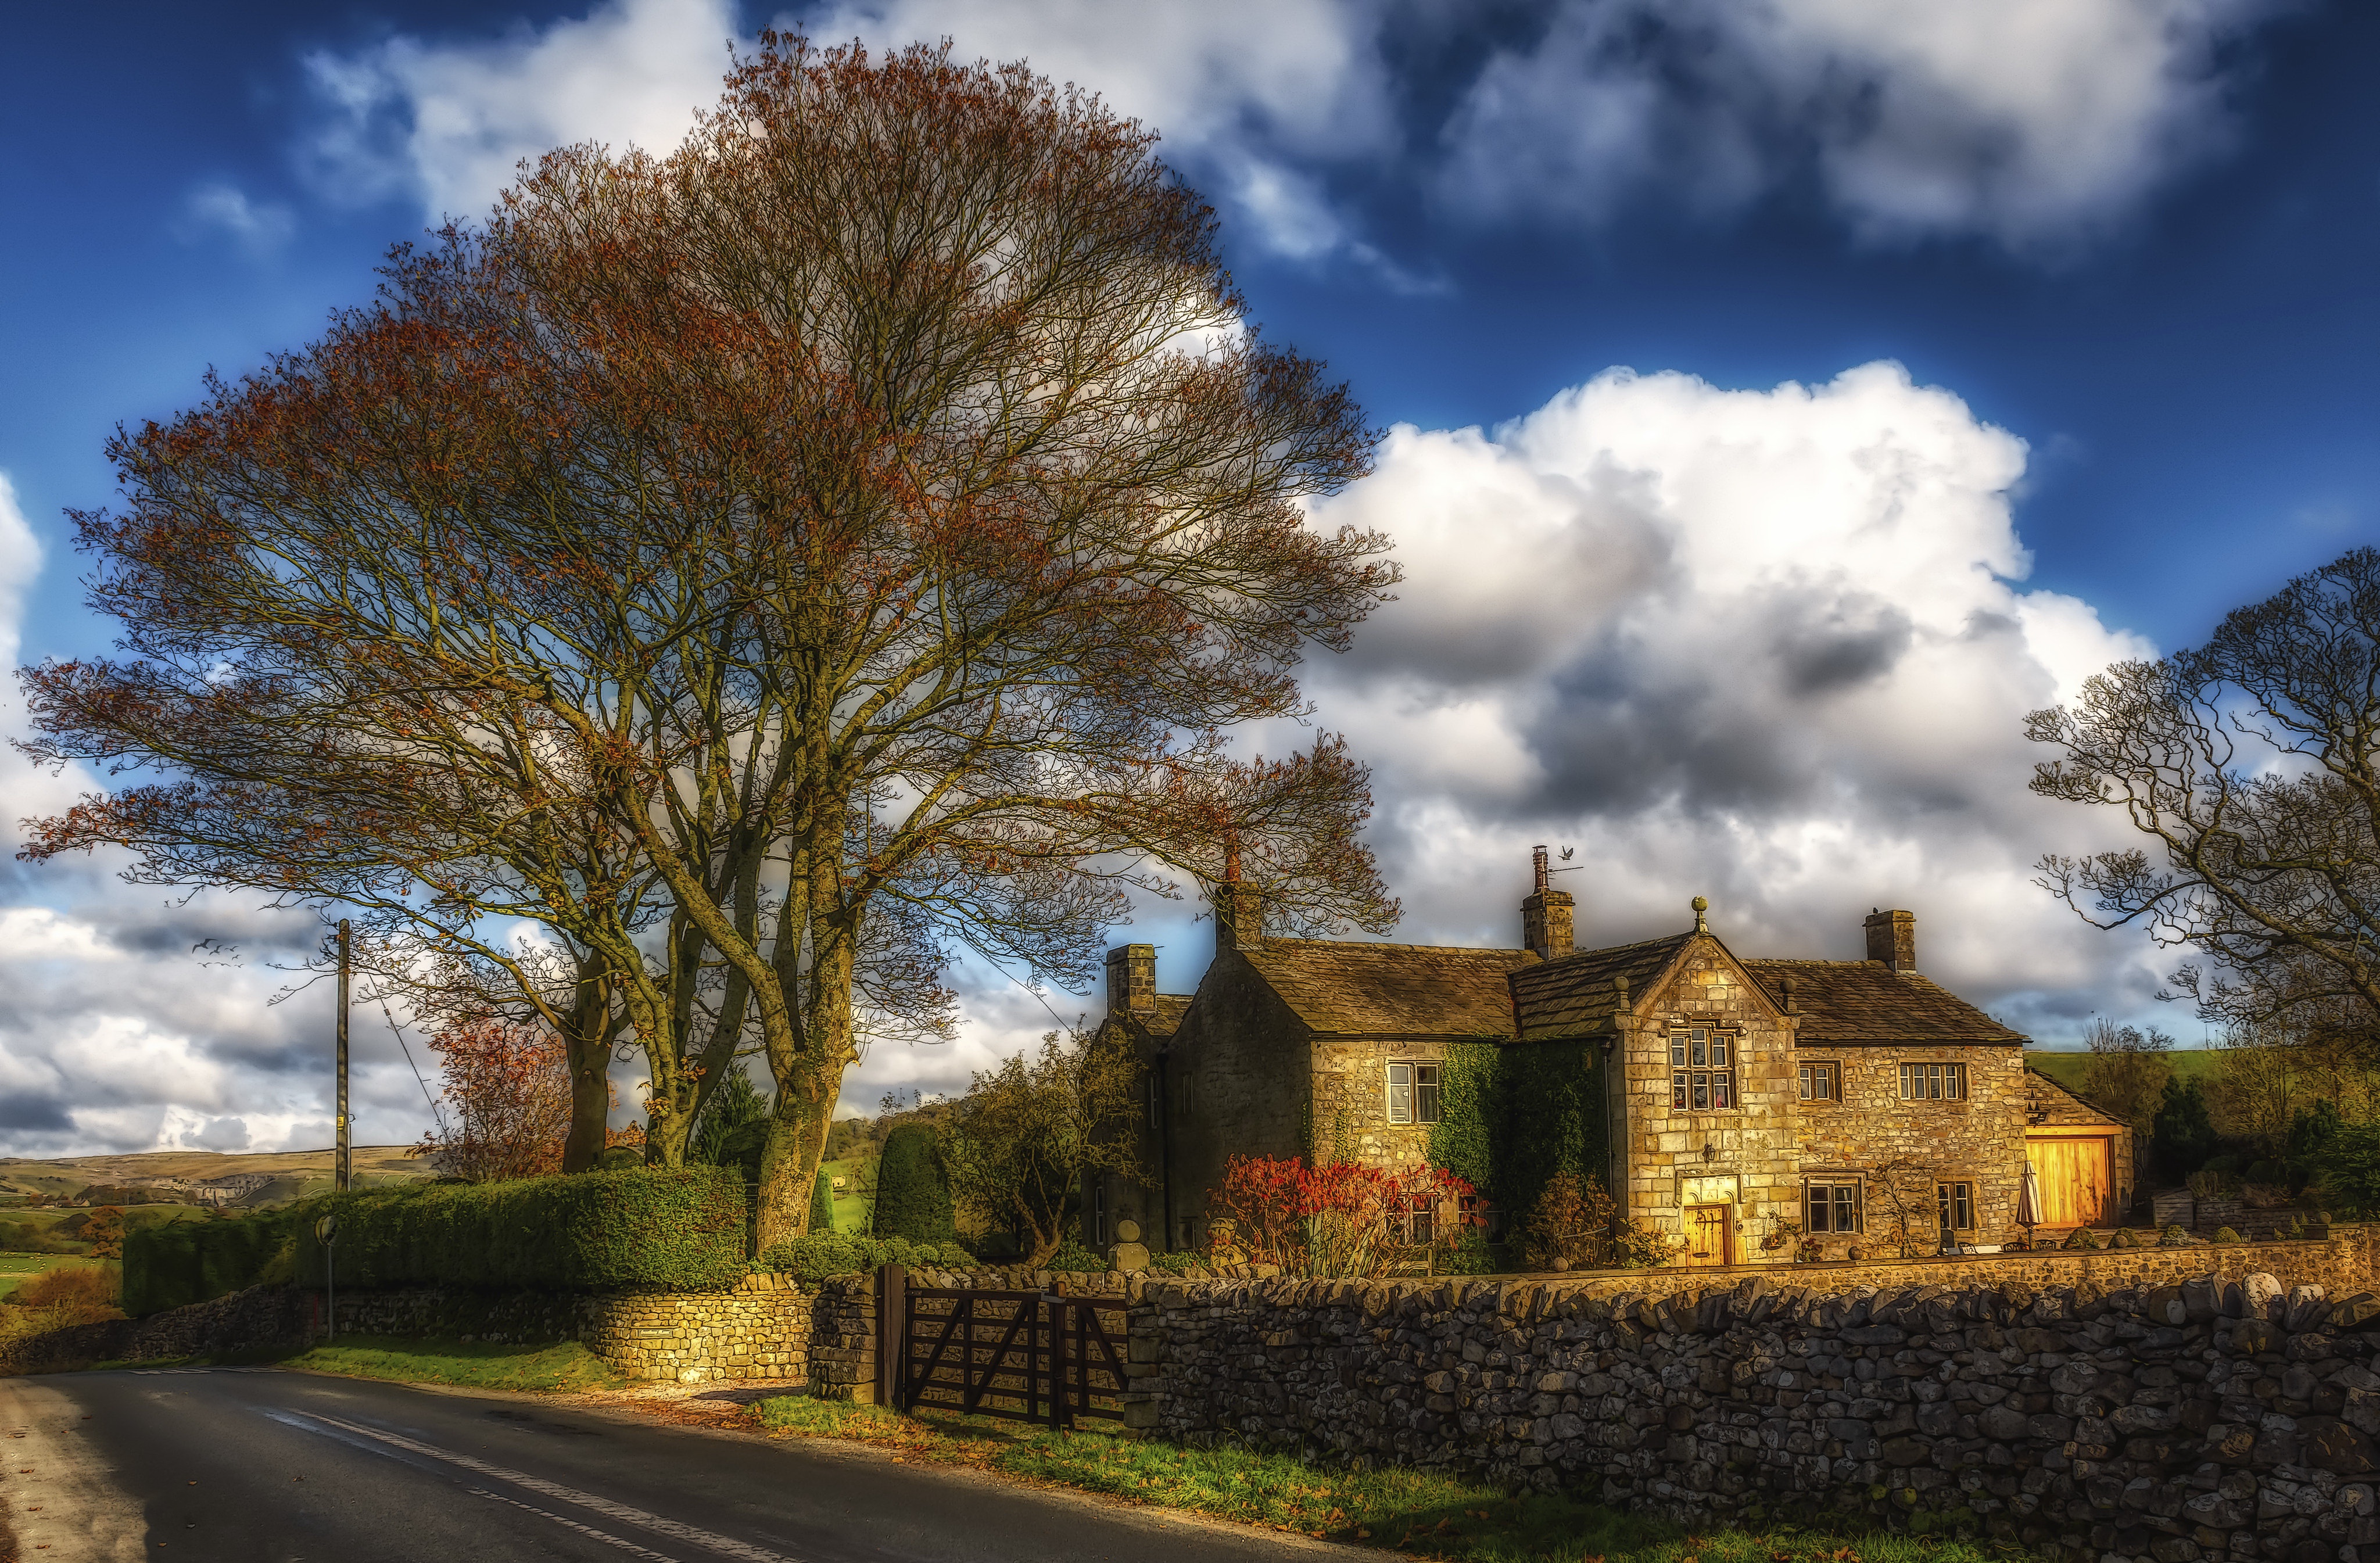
point(2252, 765)
point(862, 529)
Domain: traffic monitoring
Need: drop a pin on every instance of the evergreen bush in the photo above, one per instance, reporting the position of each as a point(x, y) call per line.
point(180, 1263)
point(2225, 1234)
point(822, 1203)
point(913, 1193)
point(643, 1230)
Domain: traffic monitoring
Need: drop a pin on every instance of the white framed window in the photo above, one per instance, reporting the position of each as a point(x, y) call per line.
point(1933, 1083)
point(1413, 1092)
point(1832, 1204)
point(1956, 1203)
point(1702, 1070)
point(1821, 1082)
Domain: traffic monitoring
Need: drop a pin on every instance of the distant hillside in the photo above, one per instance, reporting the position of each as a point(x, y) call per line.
point(2196, 1063)
point(272, 1178)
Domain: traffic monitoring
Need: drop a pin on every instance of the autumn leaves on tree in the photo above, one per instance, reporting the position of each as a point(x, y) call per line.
point(766, 569)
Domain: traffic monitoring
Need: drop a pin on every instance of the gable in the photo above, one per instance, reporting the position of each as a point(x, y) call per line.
point(1344, 988)
point(2048, 1103)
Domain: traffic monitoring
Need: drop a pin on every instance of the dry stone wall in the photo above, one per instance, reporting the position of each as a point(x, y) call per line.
point(2208, 1418)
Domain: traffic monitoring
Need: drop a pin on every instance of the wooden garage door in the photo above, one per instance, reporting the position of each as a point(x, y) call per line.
point(2077, 1179)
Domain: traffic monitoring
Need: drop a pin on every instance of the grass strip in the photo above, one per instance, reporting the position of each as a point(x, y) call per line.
point(1423, 1513)
point(472, 1365)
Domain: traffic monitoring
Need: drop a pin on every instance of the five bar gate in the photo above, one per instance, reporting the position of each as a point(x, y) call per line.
point(1029, 1355)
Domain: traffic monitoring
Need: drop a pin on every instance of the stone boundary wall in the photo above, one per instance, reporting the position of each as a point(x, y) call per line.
point(262, 1315)
point(2211, 1418)
point(760, 1330)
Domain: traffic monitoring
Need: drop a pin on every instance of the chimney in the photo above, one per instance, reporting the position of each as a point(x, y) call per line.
point(1892, 938)
point(1239, 914)
point(1132, 979)
point(1546, 916)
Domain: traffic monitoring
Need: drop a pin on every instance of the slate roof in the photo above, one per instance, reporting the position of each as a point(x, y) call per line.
point(1164, 1020)
point(2055, 1107)
point(1866, 1003)
point(1356, 989)
point(1575, 996)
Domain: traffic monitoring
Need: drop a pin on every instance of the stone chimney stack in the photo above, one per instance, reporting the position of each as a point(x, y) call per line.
point(1546, 916)
point(1132, 979)
point(1892, 938)
point(1239, 914)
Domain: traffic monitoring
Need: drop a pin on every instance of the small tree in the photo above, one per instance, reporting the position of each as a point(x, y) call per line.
point(104, 1231)
point(508, 1100)
point(913, 1189)
point(2183, 1132)
point(1020, 1142)
point(735, 1105)
point(2127, 1073)
point(822, 1203)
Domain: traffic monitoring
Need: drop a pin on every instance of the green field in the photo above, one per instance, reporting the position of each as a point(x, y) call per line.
point(851, 1211)
point(2196, 1063)
point(15, 1268)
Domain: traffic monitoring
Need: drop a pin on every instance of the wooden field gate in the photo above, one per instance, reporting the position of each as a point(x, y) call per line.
point(1029, 1356)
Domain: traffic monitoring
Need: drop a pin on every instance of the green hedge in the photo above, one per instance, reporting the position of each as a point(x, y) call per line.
point(816, 1255)
point(179, 1263)
point(637, 1230)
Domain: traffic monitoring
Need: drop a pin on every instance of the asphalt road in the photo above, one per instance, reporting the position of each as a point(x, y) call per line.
point(206, 1464)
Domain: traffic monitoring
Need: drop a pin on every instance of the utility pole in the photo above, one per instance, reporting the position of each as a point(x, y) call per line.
point(343, 1168)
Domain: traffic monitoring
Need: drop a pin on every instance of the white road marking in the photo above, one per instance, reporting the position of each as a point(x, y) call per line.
point(726, 1547)
point(620, 1541)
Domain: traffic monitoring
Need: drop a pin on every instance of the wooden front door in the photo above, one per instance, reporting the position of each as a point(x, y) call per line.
point(1709, 1234)
point(2077, 1174)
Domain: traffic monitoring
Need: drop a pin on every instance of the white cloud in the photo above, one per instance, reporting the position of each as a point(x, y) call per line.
point(1763, 645)
point(257, 227)
point(450, 122)
point(2036, 122)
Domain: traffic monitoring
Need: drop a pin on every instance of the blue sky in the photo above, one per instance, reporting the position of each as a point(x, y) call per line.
point(1768, 644)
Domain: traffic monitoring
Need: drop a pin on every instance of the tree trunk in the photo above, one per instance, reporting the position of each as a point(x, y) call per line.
point(586, 1048)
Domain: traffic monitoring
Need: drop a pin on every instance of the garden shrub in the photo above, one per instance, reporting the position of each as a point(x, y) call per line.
point(816, 1255)
point(2225, 1234)
point(1074, 1259)
point(912, 1191)
point(185, 1261)
point(1176, 1264)
point(644, 1230)
point(2174, 1237)
point(2124, 1238)
point(822, 1203)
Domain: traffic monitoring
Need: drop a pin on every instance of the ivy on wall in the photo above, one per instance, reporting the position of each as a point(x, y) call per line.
point(1512, 1116)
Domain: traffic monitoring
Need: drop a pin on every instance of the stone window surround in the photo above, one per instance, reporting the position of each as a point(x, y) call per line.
point(1416, 1101)
point(1966, 1081)
point(1974, 1200)
point(1856, 1182)
point(1726, 1033)
point(1830, 1103)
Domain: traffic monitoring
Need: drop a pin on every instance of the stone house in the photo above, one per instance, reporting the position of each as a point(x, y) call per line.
point(1749, 1109)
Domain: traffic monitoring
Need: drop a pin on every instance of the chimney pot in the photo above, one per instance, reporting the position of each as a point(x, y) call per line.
point(1892, 938)
point(1547, 916)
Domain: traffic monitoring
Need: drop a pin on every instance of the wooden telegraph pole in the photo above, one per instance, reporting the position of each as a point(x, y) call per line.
point(343, 1168)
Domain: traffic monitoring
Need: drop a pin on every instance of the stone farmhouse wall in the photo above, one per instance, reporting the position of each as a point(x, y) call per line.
point(2139, 1411)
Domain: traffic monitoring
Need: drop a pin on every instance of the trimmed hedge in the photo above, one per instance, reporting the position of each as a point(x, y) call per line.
point(816, 1255)
point(642, 1229)
point(179, 1263)
point(912, 1191)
